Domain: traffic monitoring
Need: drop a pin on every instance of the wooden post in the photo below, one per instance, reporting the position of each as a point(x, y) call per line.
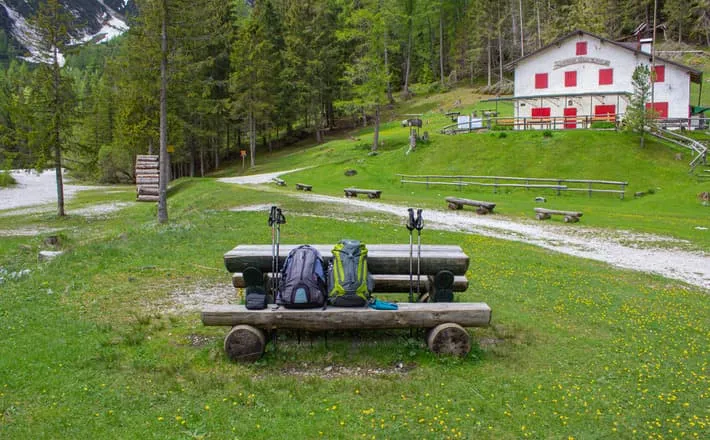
point(590, 189)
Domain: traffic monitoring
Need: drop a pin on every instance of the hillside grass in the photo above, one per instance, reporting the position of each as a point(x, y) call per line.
point(93, 348)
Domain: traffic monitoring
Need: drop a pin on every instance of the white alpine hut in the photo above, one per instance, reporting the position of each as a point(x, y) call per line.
point(581, 78)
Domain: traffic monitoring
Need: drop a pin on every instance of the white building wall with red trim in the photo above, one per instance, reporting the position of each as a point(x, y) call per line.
point(600, 55)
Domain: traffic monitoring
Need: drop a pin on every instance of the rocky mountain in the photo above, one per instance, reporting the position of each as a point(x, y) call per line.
point(99, 20)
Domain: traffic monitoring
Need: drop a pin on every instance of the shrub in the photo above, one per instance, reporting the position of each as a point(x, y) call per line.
point(497, 127)
point(547, 133)
point(502, 135)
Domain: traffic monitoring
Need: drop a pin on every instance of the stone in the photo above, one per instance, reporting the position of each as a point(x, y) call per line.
point(350, 172)
point(49, 255)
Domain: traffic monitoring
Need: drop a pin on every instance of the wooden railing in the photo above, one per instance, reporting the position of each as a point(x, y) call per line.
point(497, 182)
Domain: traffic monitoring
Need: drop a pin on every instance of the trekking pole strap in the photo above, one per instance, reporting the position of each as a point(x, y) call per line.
point(411, 221)
point(419, 222)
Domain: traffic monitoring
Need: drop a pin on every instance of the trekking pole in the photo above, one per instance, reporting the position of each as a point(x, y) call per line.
point(280, 219)
point(272, 224)
point(411, 224)
point(419, 224)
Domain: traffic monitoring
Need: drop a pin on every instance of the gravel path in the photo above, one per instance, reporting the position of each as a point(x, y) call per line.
point(34, 189)
point(642, 252)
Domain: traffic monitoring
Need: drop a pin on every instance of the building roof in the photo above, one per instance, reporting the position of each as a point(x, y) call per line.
point(695, 75)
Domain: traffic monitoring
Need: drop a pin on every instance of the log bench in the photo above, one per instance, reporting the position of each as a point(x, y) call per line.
point(303, 187)
point(247, 339)
point(389, 264)
point(481, 207)
point(569, 216)
point(278, 181)
point(371, 193)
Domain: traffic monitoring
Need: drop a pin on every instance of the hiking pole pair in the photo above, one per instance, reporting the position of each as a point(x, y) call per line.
point(412, 224)
point(276, 219)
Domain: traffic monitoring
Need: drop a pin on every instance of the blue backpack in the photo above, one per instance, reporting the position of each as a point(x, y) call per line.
point(303, 282)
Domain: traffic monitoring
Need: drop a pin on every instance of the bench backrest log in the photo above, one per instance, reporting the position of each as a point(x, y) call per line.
point(381, 258)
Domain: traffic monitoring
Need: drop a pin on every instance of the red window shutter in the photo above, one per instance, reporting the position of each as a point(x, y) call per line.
point(606, 76)
point(540, 112)
point(660, 74)
point(661, 109)
point(541, 80)
point(582, 48)
point(571, 79)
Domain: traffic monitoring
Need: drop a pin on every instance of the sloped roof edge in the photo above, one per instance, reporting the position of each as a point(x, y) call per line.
point(695, 75)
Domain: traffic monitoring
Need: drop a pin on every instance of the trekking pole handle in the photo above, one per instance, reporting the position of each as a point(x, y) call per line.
point(411, 221)
point(273, 215)
point(280, 217)
point(419, 222)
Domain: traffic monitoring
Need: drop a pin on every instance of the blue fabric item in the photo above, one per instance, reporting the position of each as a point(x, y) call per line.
point(382, 305)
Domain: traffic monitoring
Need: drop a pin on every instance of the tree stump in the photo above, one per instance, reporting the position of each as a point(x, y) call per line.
point(449, 339)
point(245, 343)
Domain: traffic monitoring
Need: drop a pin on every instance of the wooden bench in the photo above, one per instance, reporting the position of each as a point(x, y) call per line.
point(247, 339)
point(569, 216)
point(371, 193)
point(278, 181)
point(482, 207)
point(303, 187)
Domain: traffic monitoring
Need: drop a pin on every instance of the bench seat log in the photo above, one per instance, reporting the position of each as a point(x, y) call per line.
point(384, 283)
point(483, 207)
point(569, 216)
point(371, 193)
point(278, 181)
point(303, 187)
point(409, 315)
point(381, 258)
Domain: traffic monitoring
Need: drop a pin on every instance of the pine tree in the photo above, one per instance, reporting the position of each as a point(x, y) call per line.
point(53, 97)
point(638, 117)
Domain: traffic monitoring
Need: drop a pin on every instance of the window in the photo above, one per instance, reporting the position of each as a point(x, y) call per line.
point(540, 112)
point(541, 80)
point(659, 74)
point(661, 109)
point(571, 78)
point(606, 76)
point(581, 48)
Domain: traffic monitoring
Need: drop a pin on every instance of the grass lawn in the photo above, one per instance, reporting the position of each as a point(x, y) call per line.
point(92, 346)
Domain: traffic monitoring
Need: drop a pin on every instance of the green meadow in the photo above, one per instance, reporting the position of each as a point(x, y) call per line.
point(95, 344)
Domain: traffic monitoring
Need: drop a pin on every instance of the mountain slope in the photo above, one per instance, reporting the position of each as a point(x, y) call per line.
point(100, 20)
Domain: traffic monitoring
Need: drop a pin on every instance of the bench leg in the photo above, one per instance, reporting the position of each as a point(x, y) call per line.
point(244, 343)
point(571, 219)
point(542, 216)
point(482, 210)
point(449, 338)
point(453, 205)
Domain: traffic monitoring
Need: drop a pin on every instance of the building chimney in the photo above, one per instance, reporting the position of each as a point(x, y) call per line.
point(646, 45)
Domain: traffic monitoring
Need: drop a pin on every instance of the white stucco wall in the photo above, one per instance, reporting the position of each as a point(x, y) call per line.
point(600, 55)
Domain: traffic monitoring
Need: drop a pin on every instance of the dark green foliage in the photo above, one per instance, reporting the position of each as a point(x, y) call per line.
point(602, 124)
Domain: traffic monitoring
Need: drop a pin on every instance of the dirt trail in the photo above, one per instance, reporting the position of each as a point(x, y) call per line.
point(642, 252)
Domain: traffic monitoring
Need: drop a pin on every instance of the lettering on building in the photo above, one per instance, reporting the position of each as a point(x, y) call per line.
point(579, 60)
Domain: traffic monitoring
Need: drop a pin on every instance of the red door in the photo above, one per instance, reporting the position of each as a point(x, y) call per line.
point(605, 113)
point(570, 114)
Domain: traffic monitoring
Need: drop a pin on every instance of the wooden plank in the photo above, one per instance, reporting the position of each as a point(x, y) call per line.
point(555, 211)
point(384, 283)
point(147, 157)
point(408, 315)
point(381, 259)
point(147, 198)
point(488, 205)
point(371, 193)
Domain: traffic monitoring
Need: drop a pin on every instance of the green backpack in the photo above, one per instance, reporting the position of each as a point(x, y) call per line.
point(349, 282)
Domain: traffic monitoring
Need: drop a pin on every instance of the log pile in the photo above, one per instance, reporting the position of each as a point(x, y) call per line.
point(147, 178)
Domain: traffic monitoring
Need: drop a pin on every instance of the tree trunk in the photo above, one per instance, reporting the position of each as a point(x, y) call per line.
point(387, 72)
point(522, 36)
point(57, 137)
point(164, 161)
point(537, 12)
point(376, 137)
point(215, 146)
point(202, 160)
point(408, 62)
point(490, 69)
point(441, 43)
point(500, 56)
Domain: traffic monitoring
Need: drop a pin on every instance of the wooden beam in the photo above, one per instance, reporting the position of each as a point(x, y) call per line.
point(381, 258)
point(408, 315)
point(384, 283)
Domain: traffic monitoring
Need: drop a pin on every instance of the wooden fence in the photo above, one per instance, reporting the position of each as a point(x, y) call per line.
point(497, 182)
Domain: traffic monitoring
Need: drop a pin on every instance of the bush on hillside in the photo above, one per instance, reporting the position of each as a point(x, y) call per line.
point(6, 179)
point(603, 124)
